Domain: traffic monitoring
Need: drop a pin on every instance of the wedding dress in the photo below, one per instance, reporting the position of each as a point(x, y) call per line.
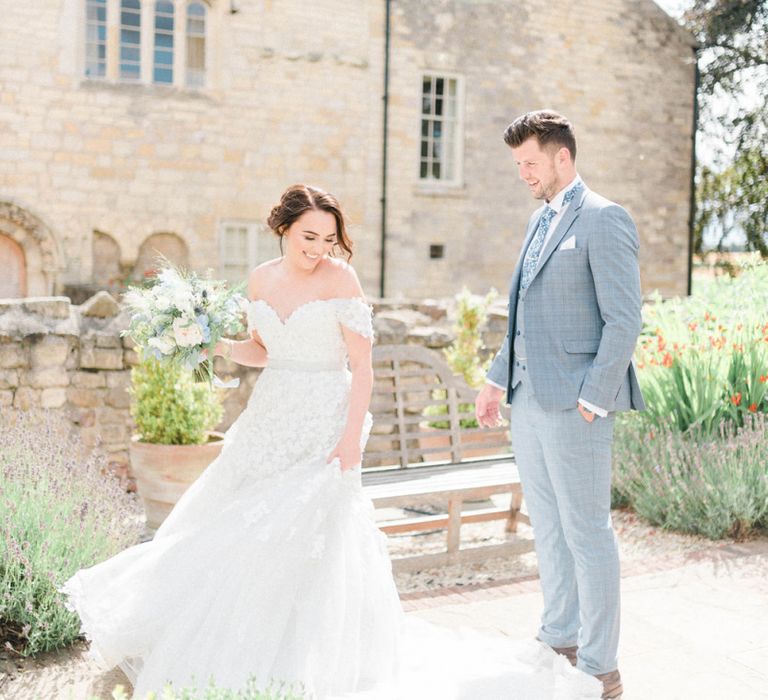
point(271, 564)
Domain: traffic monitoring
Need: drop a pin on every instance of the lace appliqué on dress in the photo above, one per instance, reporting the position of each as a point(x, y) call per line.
point(356, 315)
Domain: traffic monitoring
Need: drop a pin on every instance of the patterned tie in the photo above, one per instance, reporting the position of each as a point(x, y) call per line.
point(534, 249)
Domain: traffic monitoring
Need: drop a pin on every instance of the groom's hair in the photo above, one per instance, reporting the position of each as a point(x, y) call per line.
point(548, 127)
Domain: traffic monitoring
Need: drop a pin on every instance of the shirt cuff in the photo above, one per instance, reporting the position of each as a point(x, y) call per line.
point(498, 386)
point(594, 409)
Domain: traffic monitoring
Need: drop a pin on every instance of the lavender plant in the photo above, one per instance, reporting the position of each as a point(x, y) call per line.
point(60, 510)
point(694, 481)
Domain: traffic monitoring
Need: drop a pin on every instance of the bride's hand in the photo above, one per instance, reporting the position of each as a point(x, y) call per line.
point(348, 453)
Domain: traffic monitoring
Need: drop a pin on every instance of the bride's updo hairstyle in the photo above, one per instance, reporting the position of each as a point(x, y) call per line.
point(300, 198)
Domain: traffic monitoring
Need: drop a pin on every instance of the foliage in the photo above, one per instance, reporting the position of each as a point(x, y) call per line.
point(178, 317)
point(704, 360)
point(736, 197)
point(696, 482)
point(464, 355)
point(733, 40)
point(60, 512)
point(169, 407)
point(252, 691)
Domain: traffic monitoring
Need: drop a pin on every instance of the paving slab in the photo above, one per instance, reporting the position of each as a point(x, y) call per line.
point(697, 630)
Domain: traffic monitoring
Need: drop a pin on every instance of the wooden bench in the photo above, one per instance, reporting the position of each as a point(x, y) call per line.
point(420, 451)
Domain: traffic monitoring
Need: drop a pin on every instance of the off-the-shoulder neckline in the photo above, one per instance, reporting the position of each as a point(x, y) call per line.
point(304, 304)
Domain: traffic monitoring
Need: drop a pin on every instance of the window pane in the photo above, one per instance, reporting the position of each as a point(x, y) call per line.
point(163, 41)
point(163, 75)
point(196, 45)
point(439, 129)
point(130, 39)
point(129, 54)
point(95, 38)
point(163, 59)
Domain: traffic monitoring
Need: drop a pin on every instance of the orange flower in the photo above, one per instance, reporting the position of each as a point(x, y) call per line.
point(736, 399)
point(739, 327)
point(692, 326)
point(718, 343)
point(763, 378)
point(651, 435)
point(738, 347)
point(667, 361)
point(662, 343)
point(753, 408)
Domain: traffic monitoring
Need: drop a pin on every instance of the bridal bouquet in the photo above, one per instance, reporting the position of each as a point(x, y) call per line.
point(178, 315)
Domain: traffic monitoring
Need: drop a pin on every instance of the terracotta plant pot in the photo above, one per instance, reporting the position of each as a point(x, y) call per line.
point(164, 472)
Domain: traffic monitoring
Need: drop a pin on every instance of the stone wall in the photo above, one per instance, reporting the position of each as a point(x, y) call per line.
point(68, 358)
point(294, 93)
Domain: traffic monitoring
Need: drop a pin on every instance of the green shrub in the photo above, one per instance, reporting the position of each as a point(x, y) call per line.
point(60, 512)
point(464, 355)
point(170, 407)
point(696, 482)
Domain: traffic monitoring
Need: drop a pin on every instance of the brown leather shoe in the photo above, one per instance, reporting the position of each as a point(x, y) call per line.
point(568, 652)
point(612, 687)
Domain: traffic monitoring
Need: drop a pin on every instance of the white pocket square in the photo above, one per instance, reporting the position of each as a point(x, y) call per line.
point(568, 244)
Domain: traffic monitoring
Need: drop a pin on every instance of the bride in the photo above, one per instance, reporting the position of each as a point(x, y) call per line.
point(271, 566)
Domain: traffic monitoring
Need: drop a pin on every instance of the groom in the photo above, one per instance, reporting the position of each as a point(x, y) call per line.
point(565, 366)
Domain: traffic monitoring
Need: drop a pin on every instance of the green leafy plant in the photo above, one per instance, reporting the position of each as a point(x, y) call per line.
point(169, 406)
point(60, 511)
point(704, 360)
point(464, 355)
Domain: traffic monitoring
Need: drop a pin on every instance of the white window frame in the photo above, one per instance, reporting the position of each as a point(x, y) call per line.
point(137, 47)
point(99, 27)
point(147, 14)
point(457, 124)
point(256, 232)
point(195, 78)
point(156, 31)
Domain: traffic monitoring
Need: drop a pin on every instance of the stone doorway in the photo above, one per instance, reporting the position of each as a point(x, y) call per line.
point(13, 269)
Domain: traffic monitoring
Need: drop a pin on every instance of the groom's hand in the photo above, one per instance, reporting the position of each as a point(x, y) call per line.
point(487, 406)
point(586, 414)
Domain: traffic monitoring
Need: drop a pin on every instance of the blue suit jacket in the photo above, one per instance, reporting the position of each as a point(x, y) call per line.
point(582, 311)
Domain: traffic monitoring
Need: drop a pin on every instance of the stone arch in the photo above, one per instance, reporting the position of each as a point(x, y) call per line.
point(42, 255)
point(169, 245)
point(105, 250)
point(13, 281)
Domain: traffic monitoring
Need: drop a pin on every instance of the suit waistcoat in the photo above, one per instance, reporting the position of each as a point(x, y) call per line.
point(519, 354)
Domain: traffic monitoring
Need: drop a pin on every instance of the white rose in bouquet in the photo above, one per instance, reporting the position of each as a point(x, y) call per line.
point(187, 333)
point(165, 344)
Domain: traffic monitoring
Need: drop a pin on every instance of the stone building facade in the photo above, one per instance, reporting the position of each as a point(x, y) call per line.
point(130, 127)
